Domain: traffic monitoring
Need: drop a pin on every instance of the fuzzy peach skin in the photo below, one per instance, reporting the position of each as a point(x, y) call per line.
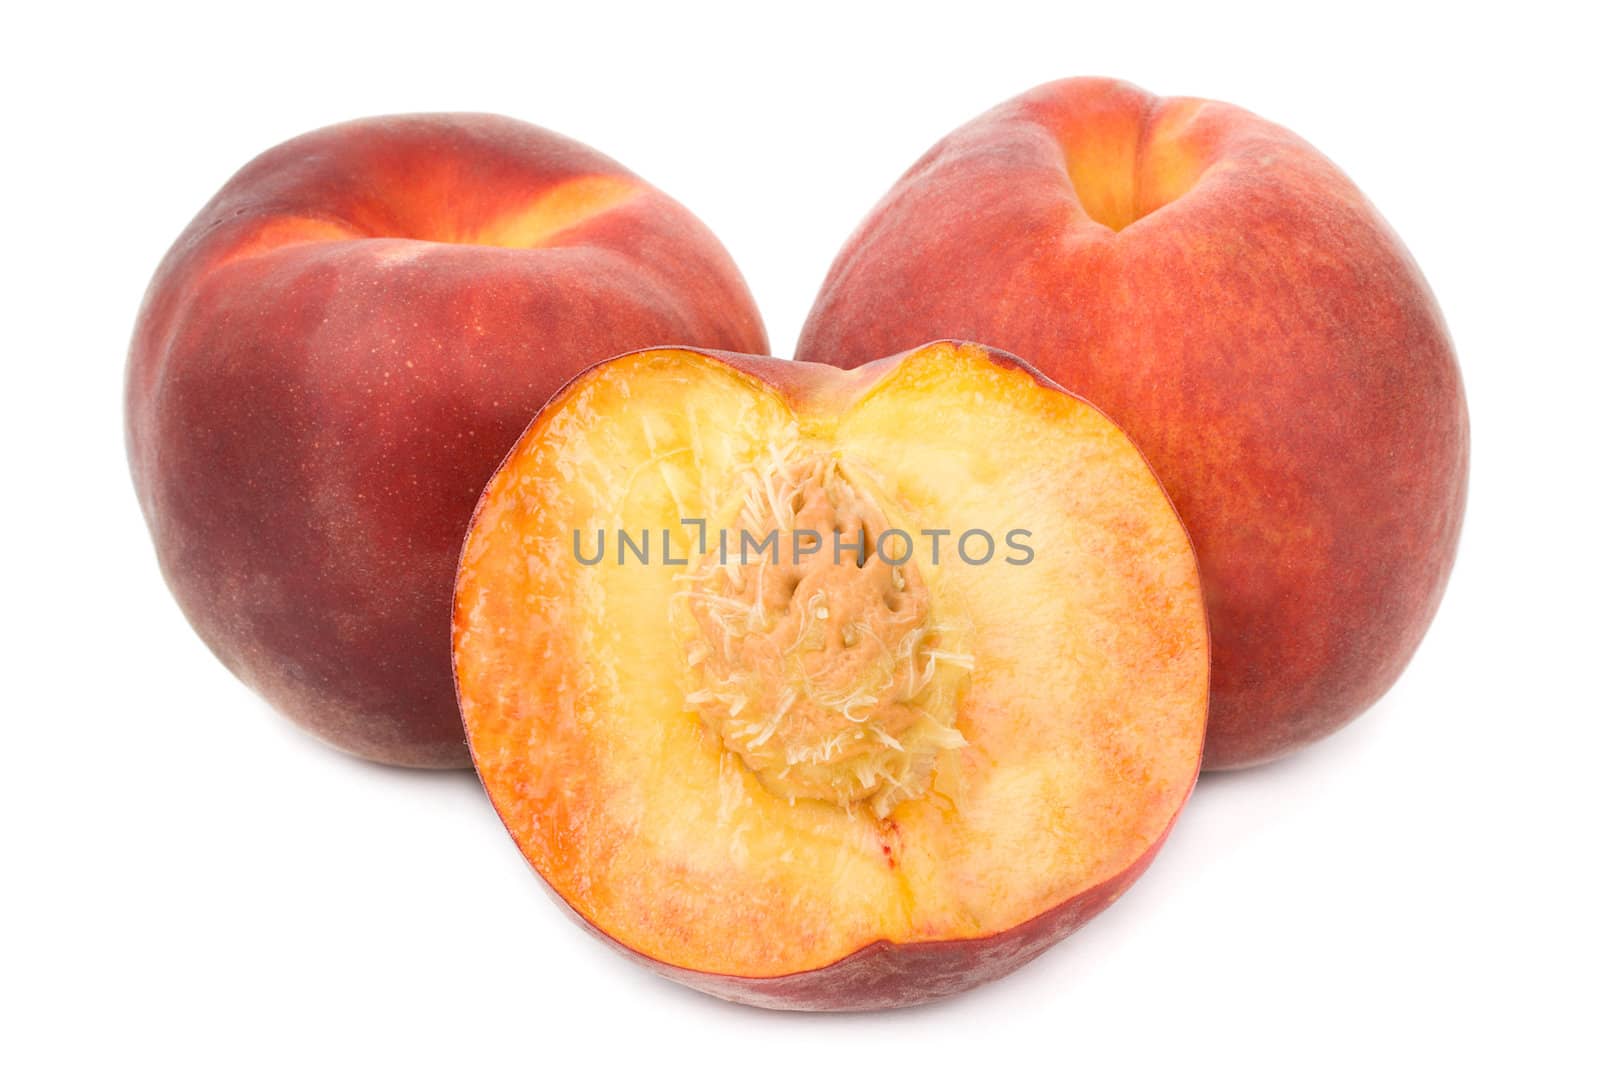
point(1229, 297)
point(334, 356)
point(1077, 681)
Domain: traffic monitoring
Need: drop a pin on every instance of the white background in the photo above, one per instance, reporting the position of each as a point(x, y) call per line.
point(196, 891)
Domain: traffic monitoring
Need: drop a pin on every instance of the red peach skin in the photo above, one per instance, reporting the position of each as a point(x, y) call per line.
point(1223, 292)
point(334, 356)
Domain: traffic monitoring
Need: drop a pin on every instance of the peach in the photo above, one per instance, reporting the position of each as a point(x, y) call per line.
point(334, 356)
point(1229, 297)
point(820, 689)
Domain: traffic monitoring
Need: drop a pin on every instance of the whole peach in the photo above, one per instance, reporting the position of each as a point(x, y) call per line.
point(333, 358)
point(1230, 298)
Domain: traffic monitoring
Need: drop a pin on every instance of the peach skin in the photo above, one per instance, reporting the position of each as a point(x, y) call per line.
point(1225, 294)
point(337, 352)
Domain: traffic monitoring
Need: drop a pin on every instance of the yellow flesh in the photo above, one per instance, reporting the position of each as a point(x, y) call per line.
point(1068, 710)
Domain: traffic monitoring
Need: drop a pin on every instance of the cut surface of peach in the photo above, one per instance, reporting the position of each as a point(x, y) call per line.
point(830, 689)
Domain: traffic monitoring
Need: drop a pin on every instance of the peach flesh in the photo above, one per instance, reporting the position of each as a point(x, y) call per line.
point(334, 356)
point(1061, 700)
point(1229, 297)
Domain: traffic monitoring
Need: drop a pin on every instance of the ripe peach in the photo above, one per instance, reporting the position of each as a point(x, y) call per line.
point(757, 727)
point(1228, 296)
point(337, 352)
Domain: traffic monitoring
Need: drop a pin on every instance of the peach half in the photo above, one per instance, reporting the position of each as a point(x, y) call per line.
point(819, 689)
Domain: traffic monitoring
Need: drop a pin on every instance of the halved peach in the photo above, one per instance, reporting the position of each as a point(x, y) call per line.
point(830, 690)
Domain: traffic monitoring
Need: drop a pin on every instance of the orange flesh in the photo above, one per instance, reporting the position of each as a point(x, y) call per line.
point(1070, 691)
